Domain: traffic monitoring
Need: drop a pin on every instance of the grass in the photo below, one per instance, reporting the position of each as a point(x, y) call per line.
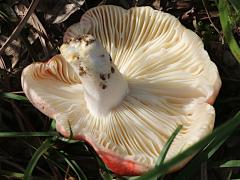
point(207, 146)
point(38, 153)
point(13, 96)
point(30, 147)
point(225, 19)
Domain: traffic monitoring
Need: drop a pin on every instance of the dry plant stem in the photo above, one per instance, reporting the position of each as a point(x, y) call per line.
point(67, 173)
point(38, 27)
point(33, 20)
point(220, 34)
point(42, 40)
point(210, 19)
point(103, 2)
point(20, 26)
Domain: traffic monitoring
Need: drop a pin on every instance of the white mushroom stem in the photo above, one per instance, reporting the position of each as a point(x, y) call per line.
point(103, 85)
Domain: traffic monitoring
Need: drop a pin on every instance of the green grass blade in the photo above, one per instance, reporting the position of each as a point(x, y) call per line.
point(56, 164)
point(70, 138)
point(205, 154)
point(231, 164)
point(227, 28)
point(53, 125)
point(11, 174)
point(73, 165)
point(36, 156)
point(167, 146)
point(222, 132)
point(27, 134)
point(99, 161)
point(216, 145)
point(106, 176)
point(14, 96)
point(105, 173)
point(17, 175)
point(235, 4)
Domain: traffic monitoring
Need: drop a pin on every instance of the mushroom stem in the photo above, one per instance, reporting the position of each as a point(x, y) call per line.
point(103, 85)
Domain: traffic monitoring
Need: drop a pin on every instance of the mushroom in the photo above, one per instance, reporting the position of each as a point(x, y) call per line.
point(123, 82)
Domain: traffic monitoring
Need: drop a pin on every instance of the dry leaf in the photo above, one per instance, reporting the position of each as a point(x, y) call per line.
point(57, 11)
point(8, 12)
point(12, 52)
point(38, 32)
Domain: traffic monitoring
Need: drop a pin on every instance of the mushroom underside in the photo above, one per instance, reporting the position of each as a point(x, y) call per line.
point(152, 115)
point(171, 82)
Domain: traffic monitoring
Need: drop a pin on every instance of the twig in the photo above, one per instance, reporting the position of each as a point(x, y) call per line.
point(20, 26)
point(103, 2)
point(210, 19)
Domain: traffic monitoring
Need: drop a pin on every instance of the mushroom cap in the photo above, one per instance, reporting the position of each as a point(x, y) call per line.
point(171, 80)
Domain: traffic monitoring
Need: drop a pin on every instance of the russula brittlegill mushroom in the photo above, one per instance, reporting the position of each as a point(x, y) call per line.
point(123, 82)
